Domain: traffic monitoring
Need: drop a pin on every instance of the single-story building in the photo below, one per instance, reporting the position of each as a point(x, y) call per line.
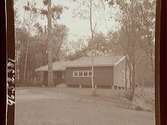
point(59, 68)
point(107, 71)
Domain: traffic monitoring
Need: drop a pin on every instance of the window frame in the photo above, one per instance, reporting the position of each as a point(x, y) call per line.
point(82, 72)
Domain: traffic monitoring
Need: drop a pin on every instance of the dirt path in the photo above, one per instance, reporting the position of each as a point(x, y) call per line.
point(63, 107)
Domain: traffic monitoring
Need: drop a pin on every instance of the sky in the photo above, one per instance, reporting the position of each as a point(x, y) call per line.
point(78, 26)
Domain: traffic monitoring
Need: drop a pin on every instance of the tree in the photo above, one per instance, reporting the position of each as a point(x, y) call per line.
point(99, 45)
point(135, 26)
point(52, 12)
point(148, 29)
point(92, 37)
point(24, 44)
point(22, 37)
point(86, 12)
point(38, 59)
point(59, 36)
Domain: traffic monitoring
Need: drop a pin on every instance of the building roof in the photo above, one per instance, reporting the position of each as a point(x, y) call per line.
point(84, 62)
point(57, 66)
point(96, 61)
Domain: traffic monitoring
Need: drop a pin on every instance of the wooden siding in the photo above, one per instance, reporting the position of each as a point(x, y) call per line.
point(58, 77)
point(119, 74)
point(103, 76)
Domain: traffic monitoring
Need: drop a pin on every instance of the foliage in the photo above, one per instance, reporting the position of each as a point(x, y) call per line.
point(52, 12)
point(40, 57)
point(59, 36)
point(136, 34)
point(138, 18)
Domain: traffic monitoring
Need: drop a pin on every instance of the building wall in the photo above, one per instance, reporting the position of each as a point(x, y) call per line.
point(58, 77)
point(76, 81)
point(103, 76)
point(119, 75)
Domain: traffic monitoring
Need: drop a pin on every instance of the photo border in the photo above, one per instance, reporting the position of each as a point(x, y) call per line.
point(160, 38)
point(2, 63)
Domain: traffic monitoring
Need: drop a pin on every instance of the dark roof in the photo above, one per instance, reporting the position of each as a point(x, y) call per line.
point(84, 62)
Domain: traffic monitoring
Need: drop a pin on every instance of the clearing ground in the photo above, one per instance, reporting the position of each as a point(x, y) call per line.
point(76, 106)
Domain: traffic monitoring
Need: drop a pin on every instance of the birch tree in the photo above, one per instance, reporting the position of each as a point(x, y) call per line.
point(86, 12)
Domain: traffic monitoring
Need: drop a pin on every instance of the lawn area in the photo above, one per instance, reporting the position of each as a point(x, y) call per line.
point(76, 106)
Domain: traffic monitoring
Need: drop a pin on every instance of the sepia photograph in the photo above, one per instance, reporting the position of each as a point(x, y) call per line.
point(83, 62)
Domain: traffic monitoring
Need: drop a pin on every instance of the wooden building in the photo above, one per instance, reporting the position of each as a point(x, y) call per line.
point(109, 71)
point(58, 73)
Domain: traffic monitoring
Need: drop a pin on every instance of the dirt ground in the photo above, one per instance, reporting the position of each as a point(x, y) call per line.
point(75, 106)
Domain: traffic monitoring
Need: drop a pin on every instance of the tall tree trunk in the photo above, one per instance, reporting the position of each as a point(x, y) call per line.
point(133, 83)
point(130, 72)
point(126, 70)
point(92, 37)
point(50, 56)
point(25, 64)
point(152, 59)
point(131, 67)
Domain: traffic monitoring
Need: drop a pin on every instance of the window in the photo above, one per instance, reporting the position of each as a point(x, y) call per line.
point(90, 73)
point(80, 73)
point(83, 73)
point(75, 74)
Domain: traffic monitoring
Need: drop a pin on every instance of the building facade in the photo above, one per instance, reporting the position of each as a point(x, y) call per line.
point(107, 72)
